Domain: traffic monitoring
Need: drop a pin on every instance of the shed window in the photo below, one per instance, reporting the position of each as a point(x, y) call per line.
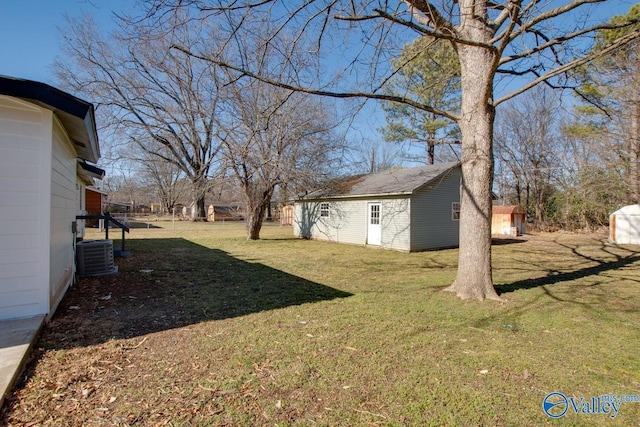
point(455, 211)
point(374, 216)
point(324, 210)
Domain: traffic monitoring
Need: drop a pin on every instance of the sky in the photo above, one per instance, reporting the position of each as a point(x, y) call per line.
point(30, 41)
point(29, 38)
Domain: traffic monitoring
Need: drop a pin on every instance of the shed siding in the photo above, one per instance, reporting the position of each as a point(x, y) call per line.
point(396, 225)
point(64, 208)
point(25, 161)
point(432, 225)
point(346, 222)
point(627, 229)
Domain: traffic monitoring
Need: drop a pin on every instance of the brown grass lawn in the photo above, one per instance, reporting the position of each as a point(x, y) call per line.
point(201, 327)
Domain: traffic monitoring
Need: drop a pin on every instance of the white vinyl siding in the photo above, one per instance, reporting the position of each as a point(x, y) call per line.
point(64, 208)
point(25, 164)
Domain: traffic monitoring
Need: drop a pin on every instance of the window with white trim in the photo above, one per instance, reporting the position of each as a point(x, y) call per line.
point(374, 214)
point(324, 210)
point(455, 211)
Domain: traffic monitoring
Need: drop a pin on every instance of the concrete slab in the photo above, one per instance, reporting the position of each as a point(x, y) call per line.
point(16, 339)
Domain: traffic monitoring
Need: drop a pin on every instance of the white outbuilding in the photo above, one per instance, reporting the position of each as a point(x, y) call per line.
point(410, 209)
point(624, 226)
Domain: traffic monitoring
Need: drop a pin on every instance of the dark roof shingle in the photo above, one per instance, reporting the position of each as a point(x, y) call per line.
point(388, 182)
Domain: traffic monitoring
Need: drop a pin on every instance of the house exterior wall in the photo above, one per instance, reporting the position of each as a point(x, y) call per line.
point(66, 203)
point(432, 225)
point(25, 184)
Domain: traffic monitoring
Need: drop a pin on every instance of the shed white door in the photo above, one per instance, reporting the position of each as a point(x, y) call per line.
point(374, 227)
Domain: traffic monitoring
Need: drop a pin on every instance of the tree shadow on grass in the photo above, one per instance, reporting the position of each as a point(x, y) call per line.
point(557, 276)
point(172, 283)
point(499, 241)
point(142, 224)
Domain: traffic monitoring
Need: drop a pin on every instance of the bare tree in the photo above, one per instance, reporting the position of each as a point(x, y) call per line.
point(166, 179)
point(124, 186)
point(273, 138)
point(367, 156)
point(159, 102)
point(528, 145)
point(515, 38)
point(610, 103)
point(592, 182)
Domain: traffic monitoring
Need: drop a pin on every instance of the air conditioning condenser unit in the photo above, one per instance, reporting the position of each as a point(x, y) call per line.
point(95, 258)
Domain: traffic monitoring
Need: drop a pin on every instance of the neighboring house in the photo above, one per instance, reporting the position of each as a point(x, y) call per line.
point(407, 210)
point(95, 203)
point(46, 135)
point(624, 226)
point(508, 220)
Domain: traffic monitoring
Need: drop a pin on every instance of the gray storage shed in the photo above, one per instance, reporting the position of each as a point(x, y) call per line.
point(410, 209)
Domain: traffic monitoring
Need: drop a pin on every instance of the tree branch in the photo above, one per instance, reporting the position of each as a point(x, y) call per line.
point(573, 64)
point(384, 97)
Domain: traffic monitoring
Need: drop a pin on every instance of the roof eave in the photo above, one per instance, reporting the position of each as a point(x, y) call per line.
point(354, 196)
point(77, 116)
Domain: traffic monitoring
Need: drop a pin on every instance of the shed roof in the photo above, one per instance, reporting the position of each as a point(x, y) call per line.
point(507, 210)
point(628, 210)
point(403, 181)
point(76, 115)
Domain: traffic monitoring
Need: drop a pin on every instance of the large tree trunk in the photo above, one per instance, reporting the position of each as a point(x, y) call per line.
point(431, 153)
point(199, 185)
point(634, 149)
point(256, 204)
point(253, 222)
point(478, 64)
point(201, 211)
